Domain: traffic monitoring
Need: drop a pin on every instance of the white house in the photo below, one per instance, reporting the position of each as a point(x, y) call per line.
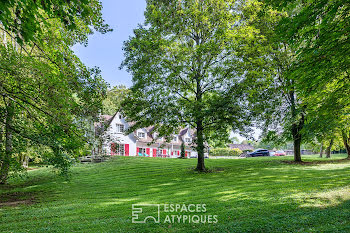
point(142, 142)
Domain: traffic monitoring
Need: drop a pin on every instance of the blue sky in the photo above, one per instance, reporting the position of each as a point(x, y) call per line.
point(105, 51)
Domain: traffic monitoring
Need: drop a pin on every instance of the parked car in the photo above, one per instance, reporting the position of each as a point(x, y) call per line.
point(272, 153)
point(259, 152)
point(280, 153)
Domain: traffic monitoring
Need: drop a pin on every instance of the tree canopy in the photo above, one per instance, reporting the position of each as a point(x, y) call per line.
point(114, 98)
point(318, 34)
point(26, 19)
point(47, 93)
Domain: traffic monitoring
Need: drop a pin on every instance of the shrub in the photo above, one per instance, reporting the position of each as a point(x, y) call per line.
point(237, 152)
point(225, 152)
point(183, 153)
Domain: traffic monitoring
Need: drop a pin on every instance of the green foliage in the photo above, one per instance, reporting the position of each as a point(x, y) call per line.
point(114, 98)
point(225, 152)
point(28, 18)
point(236, 151)
point(47, 92)
point(183, 152)
point(317, 32)
point(218, 139)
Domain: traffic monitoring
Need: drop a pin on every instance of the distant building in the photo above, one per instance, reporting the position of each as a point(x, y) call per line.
point(242, 147)
point(142, 142)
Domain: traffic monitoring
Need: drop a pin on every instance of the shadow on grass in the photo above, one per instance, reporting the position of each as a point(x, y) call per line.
point(248, 195)
point(324, 161)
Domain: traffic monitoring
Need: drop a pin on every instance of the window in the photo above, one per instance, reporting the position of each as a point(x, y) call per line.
point(188, 140)
point(141, 134)
point(118, 148)
point(175, 139)
point(159, 152)
point(120, 116)
point(142, 150)
point(120, 128)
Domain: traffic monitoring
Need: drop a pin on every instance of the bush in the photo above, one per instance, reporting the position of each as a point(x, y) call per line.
point(237, 152)
point(225, 152)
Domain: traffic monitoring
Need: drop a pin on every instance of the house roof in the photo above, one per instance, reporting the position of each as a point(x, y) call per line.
point(242, 147)
point(183, 132)
point(105, 121)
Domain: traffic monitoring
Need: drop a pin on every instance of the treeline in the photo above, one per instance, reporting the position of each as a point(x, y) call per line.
point(312, 74)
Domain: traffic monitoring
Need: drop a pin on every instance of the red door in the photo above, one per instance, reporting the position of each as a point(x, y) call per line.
point(186, 154)
point(126, 149)
point(154, 152)
point(137, 151)
point(164, 152)
point(148, 151)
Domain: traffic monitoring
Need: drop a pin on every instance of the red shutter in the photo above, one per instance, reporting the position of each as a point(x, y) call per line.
point(148, 151)
point(126, 149)
point(154, 152)
point(137, 151)
point(172, 153)
point(164, 152)
point(178, 152)
point(186, 153)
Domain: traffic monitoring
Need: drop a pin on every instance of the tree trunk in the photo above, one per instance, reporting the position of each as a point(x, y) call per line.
point(296, 126)
point(200, 146)
point(296, 142)
point(329, 148)
point(5, 163)
point(199, 120)
point(297, 151)
point(346, 141)
point(321, 150)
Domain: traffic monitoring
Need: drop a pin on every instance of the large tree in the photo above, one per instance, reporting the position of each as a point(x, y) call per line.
point(286, 115)
point(193, 63)
point(318, 32)
point(46, 91)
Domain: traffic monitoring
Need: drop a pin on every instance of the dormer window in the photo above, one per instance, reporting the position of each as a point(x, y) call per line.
point(119, 128)
point(141, 135)
point(188, 140)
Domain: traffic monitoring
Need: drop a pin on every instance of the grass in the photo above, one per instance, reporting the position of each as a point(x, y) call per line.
point(247, 195)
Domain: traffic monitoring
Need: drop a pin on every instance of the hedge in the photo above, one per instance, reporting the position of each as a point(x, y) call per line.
point(225, 152)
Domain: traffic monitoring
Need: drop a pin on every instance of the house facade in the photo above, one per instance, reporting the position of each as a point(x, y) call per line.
point(142, 142)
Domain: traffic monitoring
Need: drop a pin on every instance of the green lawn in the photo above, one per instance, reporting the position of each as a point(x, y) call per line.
point(248, 195)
